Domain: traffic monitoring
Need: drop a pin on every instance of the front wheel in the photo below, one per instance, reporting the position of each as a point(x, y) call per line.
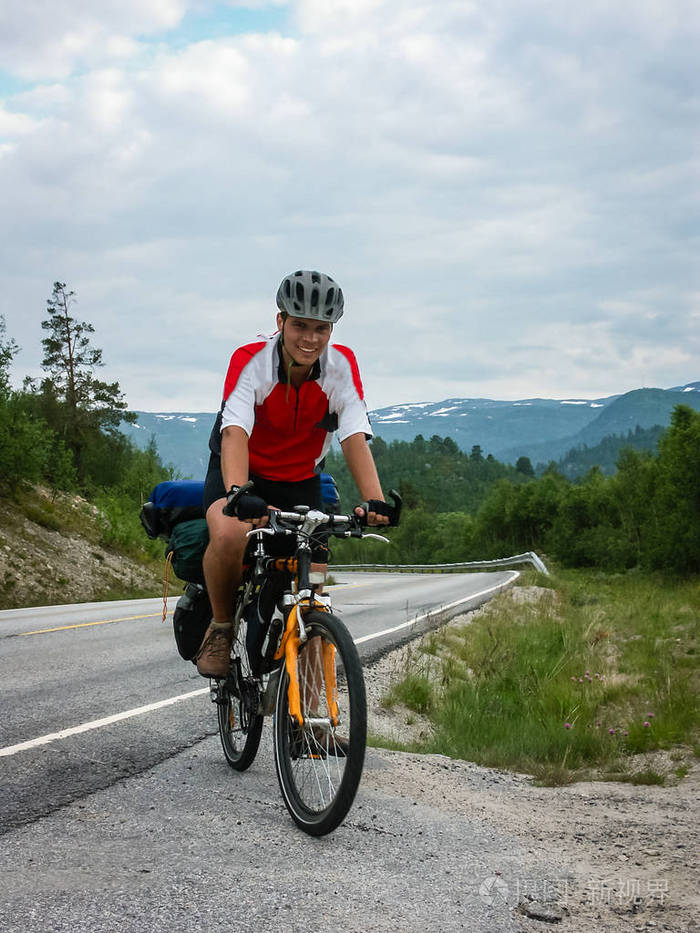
point(319, 763)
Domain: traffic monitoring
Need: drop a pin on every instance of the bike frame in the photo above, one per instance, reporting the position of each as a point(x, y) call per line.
point(303, 600)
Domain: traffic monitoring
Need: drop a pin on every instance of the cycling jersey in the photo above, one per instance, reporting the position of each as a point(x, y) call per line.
point(290, 429)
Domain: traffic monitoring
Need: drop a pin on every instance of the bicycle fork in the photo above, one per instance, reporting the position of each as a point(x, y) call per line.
point(294, 635)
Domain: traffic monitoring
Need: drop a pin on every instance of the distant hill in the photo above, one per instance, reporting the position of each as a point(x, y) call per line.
point(182, 438)
point(541, 429)
point(580, 460)
point(496, 426)
point(645, 408)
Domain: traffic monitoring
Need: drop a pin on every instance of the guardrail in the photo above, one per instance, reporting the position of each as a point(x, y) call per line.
point(528, 558)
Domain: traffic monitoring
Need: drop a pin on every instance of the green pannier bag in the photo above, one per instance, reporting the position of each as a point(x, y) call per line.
point(186, 547)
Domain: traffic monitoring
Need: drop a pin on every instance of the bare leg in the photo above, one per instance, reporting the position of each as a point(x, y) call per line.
point(223, 559)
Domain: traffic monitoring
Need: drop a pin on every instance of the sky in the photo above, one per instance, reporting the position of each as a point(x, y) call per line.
point(508, 191)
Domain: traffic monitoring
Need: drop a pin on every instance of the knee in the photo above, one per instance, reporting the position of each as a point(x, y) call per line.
point(225, 534)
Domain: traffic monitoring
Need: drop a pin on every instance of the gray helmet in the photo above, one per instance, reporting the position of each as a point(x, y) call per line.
point(311, 294)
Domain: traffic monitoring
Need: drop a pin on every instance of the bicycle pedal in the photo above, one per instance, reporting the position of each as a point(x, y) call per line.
point(216, 694)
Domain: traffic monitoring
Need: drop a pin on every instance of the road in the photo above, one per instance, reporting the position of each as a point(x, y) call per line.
point(115, 800)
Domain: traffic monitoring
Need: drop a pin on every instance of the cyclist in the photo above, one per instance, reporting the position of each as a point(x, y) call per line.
point(284, 396)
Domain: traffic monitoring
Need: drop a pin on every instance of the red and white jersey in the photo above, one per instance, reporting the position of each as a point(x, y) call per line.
point(290, 429)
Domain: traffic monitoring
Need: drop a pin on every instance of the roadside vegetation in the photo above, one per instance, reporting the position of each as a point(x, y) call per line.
point(62, 435)
point(588, 680)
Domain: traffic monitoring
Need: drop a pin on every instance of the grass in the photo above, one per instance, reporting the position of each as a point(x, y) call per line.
point(598, 670)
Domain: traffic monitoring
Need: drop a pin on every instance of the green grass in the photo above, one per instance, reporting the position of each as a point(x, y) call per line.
point(414, 691)
point(599, 669)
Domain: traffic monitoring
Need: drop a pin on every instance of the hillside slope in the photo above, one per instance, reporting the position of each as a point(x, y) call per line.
point(46, 560)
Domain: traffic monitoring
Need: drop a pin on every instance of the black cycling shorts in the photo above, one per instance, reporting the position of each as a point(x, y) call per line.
point(279, 493)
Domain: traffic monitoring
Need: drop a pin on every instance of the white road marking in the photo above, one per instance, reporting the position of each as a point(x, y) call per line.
point(97, 723)
point(141, 710)
point(438, 611)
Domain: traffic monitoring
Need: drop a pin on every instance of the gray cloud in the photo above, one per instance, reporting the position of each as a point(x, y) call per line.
point(506, 191)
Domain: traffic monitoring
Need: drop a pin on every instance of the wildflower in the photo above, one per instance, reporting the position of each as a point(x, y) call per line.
point(650, 715)
point(647, 725)
point(611, 731)
point(625, 732)
point(567, 725)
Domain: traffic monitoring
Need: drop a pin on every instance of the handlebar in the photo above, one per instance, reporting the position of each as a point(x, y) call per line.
point(313, 519)
point(339, 525)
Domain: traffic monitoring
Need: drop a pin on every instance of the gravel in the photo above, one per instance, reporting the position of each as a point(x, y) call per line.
point(628, 853)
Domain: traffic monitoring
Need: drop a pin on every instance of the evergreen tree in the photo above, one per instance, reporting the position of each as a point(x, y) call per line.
point(524, 466)
point(8, 349)
point(83, 405)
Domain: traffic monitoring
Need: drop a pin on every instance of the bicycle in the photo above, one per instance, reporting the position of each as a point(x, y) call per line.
point(293, 658)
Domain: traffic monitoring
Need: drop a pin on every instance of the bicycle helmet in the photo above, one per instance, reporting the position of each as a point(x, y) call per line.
point(312, 295)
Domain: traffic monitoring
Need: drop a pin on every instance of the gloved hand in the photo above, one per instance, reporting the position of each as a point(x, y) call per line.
point(379, 507)
point(242, 502)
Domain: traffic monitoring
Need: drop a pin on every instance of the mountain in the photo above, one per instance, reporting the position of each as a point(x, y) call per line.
point(541, 429)
point(644, 408)
point(495, 426)
point(182, 439)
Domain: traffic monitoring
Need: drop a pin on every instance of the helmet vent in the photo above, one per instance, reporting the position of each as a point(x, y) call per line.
point(314, 298)
point(300, 292)
point(330, 295)
point(287, 288)
point(315, 278)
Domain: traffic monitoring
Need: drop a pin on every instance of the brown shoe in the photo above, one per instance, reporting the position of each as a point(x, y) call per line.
point(214, 657)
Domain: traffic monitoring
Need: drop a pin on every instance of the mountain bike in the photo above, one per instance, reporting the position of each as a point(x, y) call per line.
point(293, 658)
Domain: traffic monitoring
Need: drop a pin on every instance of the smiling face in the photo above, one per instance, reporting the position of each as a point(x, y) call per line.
point(304, 339)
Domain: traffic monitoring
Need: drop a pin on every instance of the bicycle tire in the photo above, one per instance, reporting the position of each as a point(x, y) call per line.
point(318, 771)
point(238, 711)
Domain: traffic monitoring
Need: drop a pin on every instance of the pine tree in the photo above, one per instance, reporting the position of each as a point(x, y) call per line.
point(8, 349)
point(89, 405)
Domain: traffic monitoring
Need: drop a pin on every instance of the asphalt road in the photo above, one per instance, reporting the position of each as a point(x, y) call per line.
point(118, 812)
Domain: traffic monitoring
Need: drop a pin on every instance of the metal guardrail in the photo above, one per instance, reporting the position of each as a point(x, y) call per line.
point(528, 558)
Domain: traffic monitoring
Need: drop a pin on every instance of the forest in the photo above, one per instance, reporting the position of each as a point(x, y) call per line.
point(64, 433)
point(461, 507)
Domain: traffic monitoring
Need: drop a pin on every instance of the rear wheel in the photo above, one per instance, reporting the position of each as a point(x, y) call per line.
point(319, 763)
point(239, 708)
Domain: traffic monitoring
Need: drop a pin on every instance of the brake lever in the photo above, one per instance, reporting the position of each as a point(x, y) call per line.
point(377, 537)
point(260, 531)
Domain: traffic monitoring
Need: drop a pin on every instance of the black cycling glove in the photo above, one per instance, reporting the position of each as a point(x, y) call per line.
point(242, 502)
point(393, 512)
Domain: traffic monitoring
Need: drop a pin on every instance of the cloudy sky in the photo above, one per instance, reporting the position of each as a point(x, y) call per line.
point(507, 190)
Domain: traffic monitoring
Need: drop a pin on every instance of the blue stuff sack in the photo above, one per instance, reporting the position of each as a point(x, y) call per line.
point(329, 494)
point(172, 502)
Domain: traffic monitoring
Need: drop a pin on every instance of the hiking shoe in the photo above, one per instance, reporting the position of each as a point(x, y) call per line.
point(214, 657)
